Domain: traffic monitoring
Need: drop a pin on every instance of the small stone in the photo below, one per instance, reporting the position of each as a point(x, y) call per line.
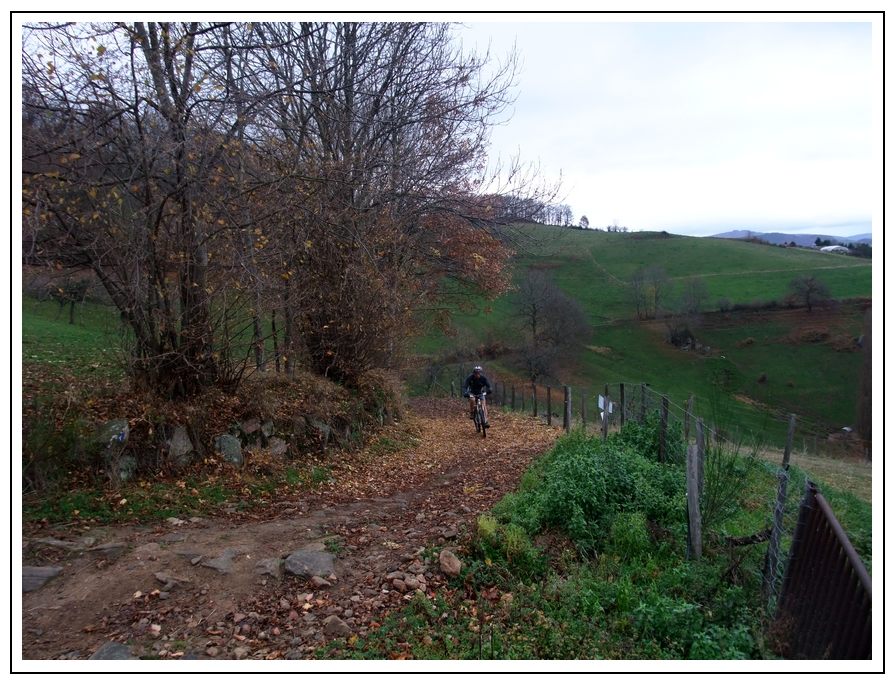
point(212, 651)
point(174, 521)
point(411, 583)
point(334, 627)
point(449, 563)
point(272, 566)
point(394, 575)
point(113, 650)
point(35, 577)
point(309, 563)
point(239, 616)
point(399, 585)
point(320, 582)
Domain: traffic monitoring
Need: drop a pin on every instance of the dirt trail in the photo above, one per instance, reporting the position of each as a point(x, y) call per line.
point(193, 589)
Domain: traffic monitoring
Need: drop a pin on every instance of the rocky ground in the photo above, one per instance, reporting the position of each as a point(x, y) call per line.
point(277, 585)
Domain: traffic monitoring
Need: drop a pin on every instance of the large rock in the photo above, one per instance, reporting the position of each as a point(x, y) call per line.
point(125, 467)
point(230, 448)
point(309, 563)
point(114, 432)
point(35, 577)
point(277, 446)
point(180, 447)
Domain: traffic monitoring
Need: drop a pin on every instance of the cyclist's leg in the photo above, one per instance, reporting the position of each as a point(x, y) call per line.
point(485, 409)
point(471, 408)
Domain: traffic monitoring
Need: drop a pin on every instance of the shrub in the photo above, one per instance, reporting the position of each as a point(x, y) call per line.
point(587, 482)
point(628, 535)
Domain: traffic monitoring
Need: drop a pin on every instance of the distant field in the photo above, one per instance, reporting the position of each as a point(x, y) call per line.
point(813, 375)
point(596, 267)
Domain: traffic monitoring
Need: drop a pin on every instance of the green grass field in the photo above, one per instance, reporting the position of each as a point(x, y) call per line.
point(89, 346)
point(779, 371)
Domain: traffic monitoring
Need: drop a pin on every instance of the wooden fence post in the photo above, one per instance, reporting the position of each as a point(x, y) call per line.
point(771, 576)
point(663, 430)
point(549, 409)
point(687, 413)
point(700, 444)
point(642, 403)
point(567, 410)
point(621, 403)
point(534, 400)
point(694, 515)
point(452, 388)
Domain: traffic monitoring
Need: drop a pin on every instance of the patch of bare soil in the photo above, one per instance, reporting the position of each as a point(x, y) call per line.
point(214, 588)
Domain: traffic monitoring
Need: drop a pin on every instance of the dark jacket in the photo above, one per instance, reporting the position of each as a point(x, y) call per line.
point(474, 385)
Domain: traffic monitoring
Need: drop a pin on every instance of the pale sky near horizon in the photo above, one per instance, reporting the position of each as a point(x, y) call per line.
point(698, 128)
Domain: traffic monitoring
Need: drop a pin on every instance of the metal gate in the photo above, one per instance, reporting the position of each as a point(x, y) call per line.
point(825, 604)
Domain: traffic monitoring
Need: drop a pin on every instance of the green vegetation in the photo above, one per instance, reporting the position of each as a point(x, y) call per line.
point(587, 560)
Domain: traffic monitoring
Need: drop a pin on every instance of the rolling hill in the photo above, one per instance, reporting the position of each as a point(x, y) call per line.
point(775, 359)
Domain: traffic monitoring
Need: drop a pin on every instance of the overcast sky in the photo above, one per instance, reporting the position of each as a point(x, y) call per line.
point(698, 128)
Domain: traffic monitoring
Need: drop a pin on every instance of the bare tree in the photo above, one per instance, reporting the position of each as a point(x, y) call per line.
point(330, 177)
point(809, 290)
point(657, 285)
point(553, 323)
point(694, 294)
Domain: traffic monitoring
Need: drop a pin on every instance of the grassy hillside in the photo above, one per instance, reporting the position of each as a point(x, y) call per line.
point(772, 361)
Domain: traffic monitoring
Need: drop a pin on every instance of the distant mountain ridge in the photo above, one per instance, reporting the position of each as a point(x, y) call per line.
point(802, 240)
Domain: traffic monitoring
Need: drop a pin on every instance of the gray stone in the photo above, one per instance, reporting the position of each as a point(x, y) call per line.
point(113, 650)
point(323, 429)
point(334, 627)
point(114, 432)
point(241, 652)
point(267, 428)
point(278, 446)
point(56, 543)
point(188, 553)
point(35, 577)
point(272, 566)
point(251, 426)
point(125, 468)
point(180, 448)
point(224, 562)
point(309, 563)
point(169, 581)
point(230, 448)
point(449, 563)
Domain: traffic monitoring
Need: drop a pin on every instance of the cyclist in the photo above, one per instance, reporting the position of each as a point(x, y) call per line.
point(472, 387)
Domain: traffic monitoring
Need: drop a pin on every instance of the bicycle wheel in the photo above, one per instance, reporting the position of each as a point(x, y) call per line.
point(480, 418)
point(477, 419)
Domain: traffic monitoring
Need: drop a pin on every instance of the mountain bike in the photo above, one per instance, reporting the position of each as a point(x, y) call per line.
point(478, 415)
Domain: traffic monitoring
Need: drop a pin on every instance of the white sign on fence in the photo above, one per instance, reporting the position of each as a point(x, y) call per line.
point(602, 403)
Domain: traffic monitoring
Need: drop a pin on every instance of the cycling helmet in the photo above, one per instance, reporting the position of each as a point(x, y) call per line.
point(477, 368)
